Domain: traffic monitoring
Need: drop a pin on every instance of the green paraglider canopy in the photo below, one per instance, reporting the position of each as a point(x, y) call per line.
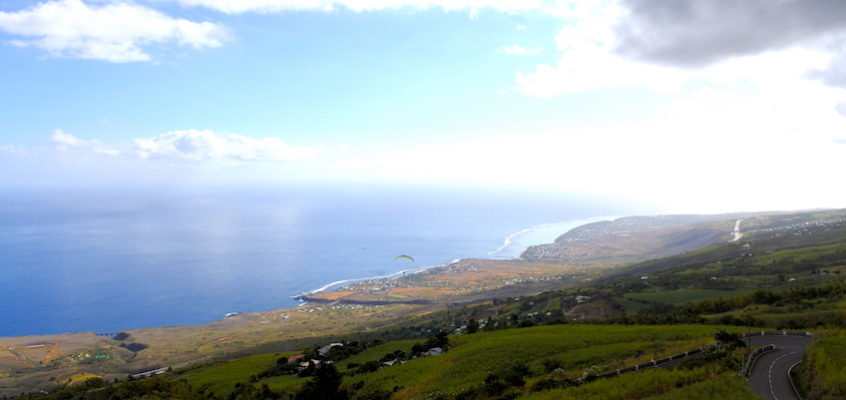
point(404, 256)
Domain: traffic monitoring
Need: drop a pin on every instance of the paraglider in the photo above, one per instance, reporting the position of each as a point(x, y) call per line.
point(404, 256)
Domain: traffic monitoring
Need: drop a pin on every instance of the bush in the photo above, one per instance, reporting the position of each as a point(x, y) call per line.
point(552, 364)
point(729, 338)
point(548, 384)
point(494, 385)
point(370, 366)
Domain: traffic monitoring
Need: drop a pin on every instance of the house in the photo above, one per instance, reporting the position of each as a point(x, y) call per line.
point(434, 351)
point(323, 351)
point(305, 364)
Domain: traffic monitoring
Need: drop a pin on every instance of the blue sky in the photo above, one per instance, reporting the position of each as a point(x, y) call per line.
point(310, 76)
point(686, 104)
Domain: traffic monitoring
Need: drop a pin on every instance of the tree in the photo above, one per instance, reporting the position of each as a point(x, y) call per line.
point(326, 385)
point(472, 326)
point(729, 338)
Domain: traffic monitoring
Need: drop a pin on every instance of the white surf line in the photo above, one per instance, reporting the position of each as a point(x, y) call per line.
point(568, 226)
point(345, 281)
point(373, 278)
point(737, 234)
point(507, 241)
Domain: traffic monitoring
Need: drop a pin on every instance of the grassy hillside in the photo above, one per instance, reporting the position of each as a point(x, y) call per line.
point(823, 372)
point(575, 348)
point(680, 297)
point(221, 377)
point(681, 384)
point(561, 352)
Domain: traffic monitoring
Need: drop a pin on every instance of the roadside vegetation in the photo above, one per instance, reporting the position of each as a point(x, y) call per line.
point(711, 382)
point(823, 371)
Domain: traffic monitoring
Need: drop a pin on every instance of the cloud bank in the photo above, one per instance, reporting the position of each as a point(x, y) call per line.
point(191, 146)
point(696, 32)
point(668, 47)
point(113, 31)
point(180, 158)
point(66, 142)
point(208, 146)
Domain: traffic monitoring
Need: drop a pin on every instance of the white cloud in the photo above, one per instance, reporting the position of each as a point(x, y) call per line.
point(66, 142)
point(208, 146)
point(114, 31)
point(583, 69)
point(699, 32)
point(517, 50)
point(184, 146)
point(725, 137)
point(268, 6)
point(181, 157)
point(590, 58)
point(697, 162)
point(9, 149)
point(717, 125)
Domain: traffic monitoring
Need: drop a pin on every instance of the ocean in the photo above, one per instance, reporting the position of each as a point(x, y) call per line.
point(111, 260)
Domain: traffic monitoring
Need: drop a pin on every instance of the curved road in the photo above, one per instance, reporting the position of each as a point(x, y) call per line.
point(769, 377)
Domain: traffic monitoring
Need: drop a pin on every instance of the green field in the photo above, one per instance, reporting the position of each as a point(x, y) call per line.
point(679, 297)
point(577, 348)
point(376, 352)
point(632, 306)
point(221, 377)
point(804, 254)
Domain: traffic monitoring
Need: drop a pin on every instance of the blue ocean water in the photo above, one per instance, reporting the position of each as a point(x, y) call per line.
point(105, 261)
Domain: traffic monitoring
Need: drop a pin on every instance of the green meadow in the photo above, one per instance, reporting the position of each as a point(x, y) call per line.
point(221, 377)
point(574, 350)
point(679, 297)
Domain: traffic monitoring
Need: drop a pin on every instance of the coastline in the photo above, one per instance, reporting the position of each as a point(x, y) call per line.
point(304, 297)
point(565, 227)
point(341, 283)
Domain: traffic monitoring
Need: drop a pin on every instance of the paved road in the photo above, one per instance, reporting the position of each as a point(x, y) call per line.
point(769, 378)
point(736, 233)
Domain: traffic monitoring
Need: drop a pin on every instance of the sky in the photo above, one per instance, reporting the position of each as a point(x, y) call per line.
point(692, 105)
